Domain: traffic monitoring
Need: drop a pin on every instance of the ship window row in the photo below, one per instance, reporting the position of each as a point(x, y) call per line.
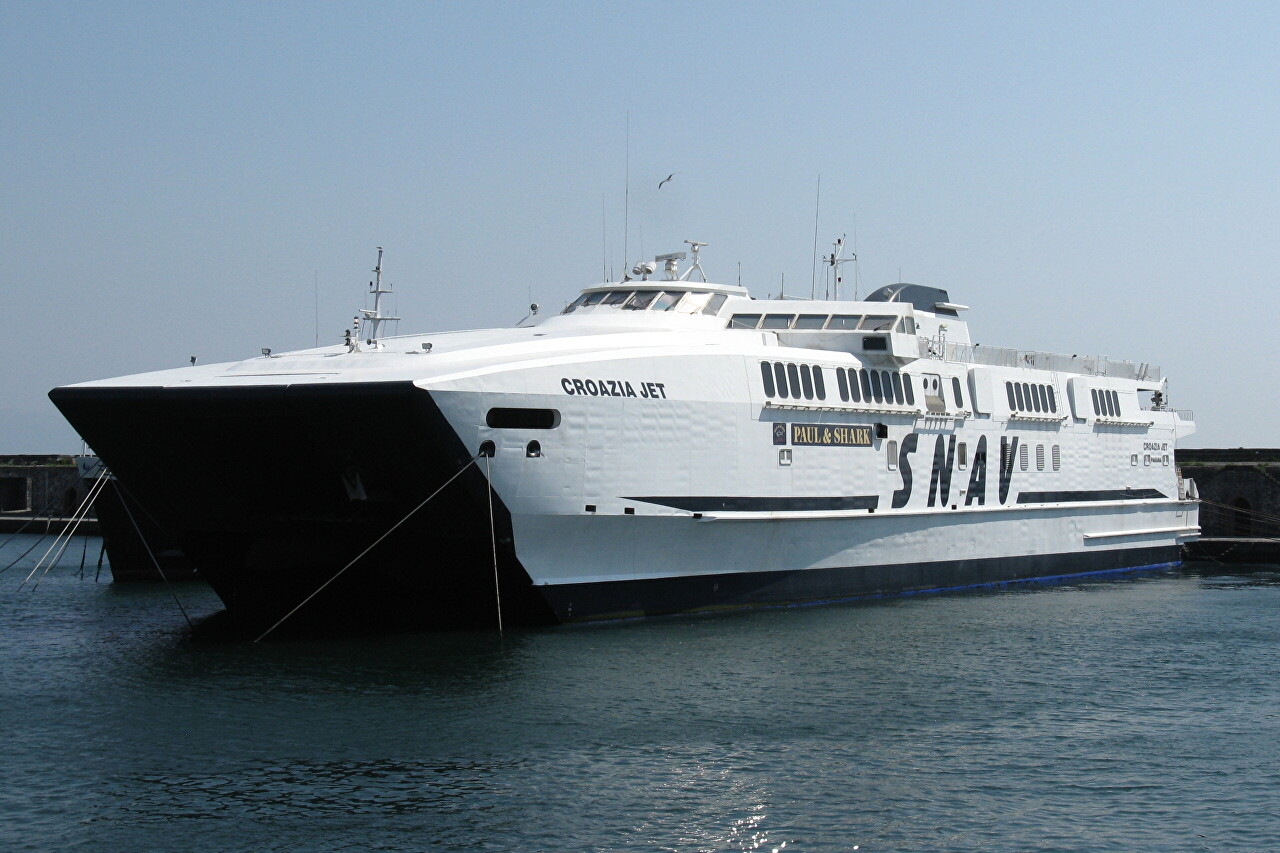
point(1031, 397)
point(832, 322)
point(1105, 403)
point(794, 381)
point(1024, 457)
point(878, 386)
point(680, 301)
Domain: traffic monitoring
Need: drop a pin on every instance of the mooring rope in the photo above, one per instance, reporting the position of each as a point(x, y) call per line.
point(154, 561)
point(30, 521)
point(68, 530)
point(493, 539)
point(301, 604)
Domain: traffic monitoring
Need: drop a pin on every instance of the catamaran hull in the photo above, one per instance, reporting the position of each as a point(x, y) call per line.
point(285, 505)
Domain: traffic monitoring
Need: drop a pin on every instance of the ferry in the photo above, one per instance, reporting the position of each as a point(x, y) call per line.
point(662, 445)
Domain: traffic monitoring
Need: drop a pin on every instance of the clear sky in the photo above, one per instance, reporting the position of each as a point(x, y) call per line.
point(207, 179)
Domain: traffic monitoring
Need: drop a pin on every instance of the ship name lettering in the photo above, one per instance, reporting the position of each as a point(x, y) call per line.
point(1155, 445)
point(612, 388)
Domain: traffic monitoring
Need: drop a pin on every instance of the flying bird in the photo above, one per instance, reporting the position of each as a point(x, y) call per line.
point(667, 178)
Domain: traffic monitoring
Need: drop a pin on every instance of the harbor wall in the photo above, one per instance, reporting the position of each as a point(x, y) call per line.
point(45, 488)
point(1240, 503)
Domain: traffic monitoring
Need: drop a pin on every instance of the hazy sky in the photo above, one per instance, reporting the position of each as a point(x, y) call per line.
point(177, 178)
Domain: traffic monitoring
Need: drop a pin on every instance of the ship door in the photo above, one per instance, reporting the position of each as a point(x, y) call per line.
point(933, 401)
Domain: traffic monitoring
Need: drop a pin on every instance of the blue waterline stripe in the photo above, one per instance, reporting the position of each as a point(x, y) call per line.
point(883, 595)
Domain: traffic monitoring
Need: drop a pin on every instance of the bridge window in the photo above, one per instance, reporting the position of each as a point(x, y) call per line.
point(810, 321)
point(666, 301)
point(640, 300)
point(877, 323)
point(714, 306)
point(844, 322)
point(777, 321)
point(616, 297)
point(744, 321)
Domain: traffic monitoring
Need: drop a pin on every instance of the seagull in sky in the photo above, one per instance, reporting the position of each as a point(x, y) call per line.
point(667, 178)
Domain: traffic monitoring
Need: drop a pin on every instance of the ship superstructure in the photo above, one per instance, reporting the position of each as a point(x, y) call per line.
point(659, 446)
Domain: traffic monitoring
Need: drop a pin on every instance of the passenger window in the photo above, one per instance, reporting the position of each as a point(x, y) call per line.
point(1053, 401)
point(810, 321)
point(819, 384)
point(1035, 398)
point(780, 376)
point(616, 297)
point(897, 388)
point(854, 391)
point(906, 387)
point(842, 383)
point(744, 321)
point(1094, 393)
point(766, 374)
point(777, 321)
point(1017, 392)
point(877, 390)
point(864, 378)
point(955, 386)
point(716, 303)
point(1013, 402)
point(806, 381)
point(793, 380)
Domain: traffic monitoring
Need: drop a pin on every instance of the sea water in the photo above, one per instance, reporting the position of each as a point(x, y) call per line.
point(1133, 714)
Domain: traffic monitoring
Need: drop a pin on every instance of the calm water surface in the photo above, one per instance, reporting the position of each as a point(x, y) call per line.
point(1141, 714)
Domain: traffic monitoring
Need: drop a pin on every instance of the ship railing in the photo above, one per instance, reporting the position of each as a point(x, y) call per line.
point(1087, 365)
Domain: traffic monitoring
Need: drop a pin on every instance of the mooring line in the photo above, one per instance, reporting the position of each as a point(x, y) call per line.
point(154, 561)
point(493, 539)
point(301, 604)
point(68, 530)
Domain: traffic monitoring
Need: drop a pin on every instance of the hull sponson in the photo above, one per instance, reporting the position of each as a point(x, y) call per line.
point(630, 599)
point(272, 490)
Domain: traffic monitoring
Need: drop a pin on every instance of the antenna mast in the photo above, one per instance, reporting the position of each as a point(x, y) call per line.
point(373, 319)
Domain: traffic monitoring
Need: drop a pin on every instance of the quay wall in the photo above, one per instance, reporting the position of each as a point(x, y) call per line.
point(46, 487)
point(1240, 502)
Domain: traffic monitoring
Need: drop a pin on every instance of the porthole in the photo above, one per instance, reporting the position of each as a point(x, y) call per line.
point(533, 450)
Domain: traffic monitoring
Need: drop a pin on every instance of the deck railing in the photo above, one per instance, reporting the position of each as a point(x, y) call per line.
point(1086, 365)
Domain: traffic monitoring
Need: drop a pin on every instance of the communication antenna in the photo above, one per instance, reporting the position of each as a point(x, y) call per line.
point(374, 318)
point(626, 200)
point(817, 206)
point(835, 261)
